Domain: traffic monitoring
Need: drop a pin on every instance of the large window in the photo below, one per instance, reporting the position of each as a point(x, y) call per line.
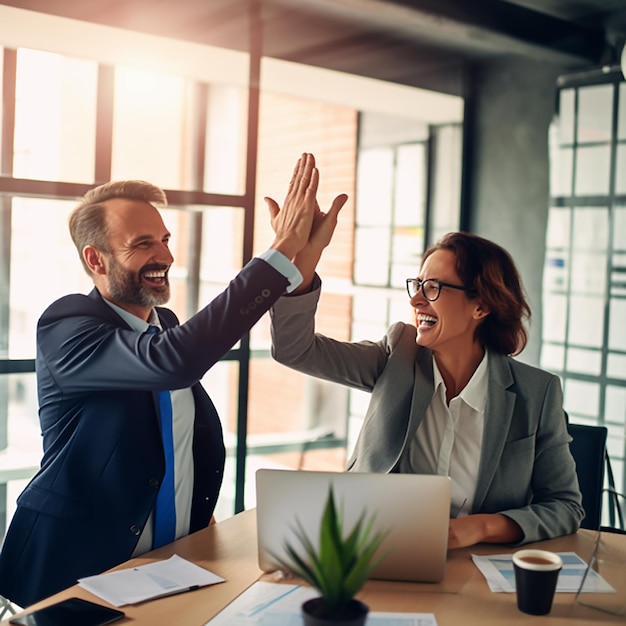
point(75, 123)
point(584, 293)
point(217, 148)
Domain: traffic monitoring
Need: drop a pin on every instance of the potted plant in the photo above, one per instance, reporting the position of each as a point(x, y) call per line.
point(337, 569)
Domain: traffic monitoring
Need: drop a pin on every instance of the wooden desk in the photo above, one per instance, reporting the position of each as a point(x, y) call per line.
point(463, 598)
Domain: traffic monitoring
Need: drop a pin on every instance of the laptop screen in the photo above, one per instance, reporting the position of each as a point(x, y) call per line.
point(413, 510)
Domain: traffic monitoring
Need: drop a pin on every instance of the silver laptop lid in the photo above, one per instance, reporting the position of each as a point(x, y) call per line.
point(413, 508)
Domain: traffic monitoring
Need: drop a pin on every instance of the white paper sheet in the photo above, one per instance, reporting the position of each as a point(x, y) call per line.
point(273, 604)
point(146, 582)
point(498, 571)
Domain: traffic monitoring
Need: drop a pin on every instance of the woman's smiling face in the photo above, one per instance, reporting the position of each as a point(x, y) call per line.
point(448, 323)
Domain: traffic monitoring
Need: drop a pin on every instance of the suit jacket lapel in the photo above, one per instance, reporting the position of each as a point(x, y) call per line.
point(422, 392)
point(498, 414)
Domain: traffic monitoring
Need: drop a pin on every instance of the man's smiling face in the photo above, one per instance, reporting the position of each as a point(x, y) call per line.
point(138, 259)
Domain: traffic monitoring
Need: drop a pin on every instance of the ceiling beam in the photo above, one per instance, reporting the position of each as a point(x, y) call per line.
point(471, 26)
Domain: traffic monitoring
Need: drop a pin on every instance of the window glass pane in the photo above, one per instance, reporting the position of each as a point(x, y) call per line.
point(55, 117)
point(593, 167)
point(617, 327)
point(400, 310)
point(558, 232)
point(407, 246)
point(591, 228)
point(226, 140)
point(586, 321)
point(373, 313)
point(148, 129)
point(410, 189)
point(221, 253)
point(554, 317)
point(581, 397)
point(409, 199)
point(221, 383)
point(584, 361)
point(616, 366)
point(446, 160)
point(32, 285)
point(595, 113)
point(589, 274)
point(283, 427)
point(222, 243)
point(371, 256)
point(619, 231)
point(552, 357)
point(370, 309)
point(615, 404)
point(22, 456)
point(561, 169)
point(566, 116)
point(374, 187)
point(555, 272)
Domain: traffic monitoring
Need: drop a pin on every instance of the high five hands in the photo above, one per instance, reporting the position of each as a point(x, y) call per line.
point(302, 229)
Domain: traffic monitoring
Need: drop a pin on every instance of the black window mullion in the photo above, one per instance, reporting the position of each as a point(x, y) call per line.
point(254, 82)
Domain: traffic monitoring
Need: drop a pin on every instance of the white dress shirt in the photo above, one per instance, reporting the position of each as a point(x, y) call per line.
point(448, 442)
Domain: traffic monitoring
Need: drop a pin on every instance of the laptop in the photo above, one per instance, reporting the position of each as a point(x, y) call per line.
point(413, 508)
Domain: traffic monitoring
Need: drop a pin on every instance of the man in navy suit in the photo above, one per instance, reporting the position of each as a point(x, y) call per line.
point(100, 367)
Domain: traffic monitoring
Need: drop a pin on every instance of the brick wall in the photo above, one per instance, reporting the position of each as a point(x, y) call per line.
point(289, 127)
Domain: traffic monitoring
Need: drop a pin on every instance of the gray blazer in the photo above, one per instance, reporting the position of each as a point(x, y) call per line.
point(526, 469)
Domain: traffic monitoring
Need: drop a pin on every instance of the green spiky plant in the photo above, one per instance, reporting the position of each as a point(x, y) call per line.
point(342, 564)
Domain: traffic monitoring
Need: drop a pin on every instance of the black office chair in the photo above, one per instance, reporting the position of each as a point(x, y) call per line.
point(588, 447)
point(616, 503)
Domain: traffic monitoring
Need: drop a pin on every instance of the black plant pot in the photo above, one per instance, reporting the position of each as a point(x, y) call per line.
point(315, 612)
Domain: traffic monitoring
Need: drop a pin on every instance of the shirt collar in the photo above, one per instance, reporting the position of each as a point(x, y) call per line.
point(475, 392)
point(136, 323)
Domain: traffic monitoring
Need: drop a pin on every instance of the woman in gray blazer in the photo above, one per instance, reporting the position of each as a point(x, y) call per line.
point(447, 397)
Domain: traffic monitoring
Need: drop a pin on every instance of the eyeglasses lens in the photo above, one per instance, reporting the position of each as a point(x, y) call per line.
point(431, 289)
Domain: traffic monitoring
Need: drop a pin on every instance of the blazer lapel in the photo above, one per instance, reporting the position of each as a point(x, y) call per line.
point(498, 414)
point(422, 392)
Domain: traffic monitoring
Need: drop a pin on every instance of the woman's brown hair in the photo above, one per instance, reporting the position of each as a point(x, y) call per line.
point(488, 272)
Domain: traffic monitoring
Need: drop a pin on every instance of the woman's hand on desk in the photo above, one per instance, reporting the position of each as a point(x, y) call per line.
point(482, 528)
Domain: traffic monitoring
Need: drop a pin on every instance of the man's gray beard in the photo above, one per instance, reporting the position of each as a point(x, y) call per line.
point(126, 287)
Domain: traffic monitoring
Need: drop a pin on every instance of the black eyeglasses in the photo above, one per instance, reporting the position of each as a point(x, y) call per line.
point(431, 288)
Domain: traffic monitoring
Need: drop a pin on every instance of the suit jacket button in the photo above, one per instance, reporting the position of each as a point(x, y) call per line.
point(153, 482)
point(135, 530)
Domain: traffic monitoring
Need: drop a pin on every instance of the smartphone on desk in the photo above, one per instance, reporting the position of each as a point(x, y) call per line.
point(70, 612)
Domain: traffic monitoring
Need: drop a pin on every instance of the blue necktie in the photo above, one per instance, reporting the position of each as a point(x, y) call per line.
point(165, 507)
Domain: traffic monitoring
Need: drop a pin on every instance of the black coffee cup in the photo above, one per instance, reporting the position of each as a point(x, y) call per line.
point(536, 575)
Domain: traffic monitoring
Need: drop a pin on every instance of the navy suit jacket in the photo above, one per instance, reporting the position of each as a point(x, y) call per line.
point(103, 458)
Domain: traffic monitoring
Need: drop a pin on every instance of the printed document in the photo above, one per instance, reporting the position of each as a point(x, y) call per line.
point(274, 604)
point(146, 582)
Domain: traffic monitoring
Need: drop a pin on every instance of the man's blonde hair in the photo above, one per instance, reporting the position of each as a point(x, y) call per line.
point(87, 221)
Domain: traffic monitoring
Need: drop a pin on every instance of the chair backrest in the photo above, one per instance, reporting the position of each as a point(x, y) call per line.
point(588, 447)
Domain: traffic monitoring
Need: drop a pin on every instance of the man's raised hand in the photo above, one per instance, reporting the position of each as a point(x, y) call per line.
point(293, 222)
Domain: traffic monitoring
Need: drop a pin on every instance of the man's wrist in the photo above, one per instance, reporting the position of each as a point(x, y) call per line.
point(283, 265)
